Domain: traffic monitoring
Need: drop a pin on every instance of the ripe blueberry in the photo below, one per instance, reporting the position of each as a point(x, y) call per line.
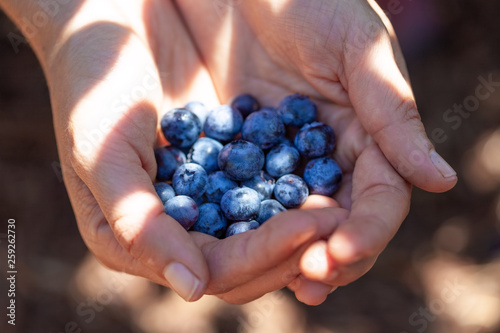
point(211, 220)
point(297, 110)
point(241, 160)
point(205, 152)
point(183, 209)
point(190, 179)
point(168, 159)
point(239, 227)
point(240, 204)
point(181, 127)
point(223, 123)
point(164, 191)
point(264, 128)
point(315, 140)
point(246, 104)
point(282, 159)
point(323, 176)
point(291, 191)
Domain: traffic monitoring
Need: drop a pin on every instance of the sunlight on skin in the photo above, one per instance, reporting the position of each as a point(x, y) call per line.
point(91, 12)
point(139, 207)
point(200, 89)
point(315, 201)
point(110, 98)
point(225, 33)
point(316, 263)
point(277, 6)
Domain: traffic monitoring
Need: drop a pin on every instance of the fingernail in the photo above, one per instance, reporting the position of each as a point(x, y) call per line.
point(332, 290)
point(183, 281)
point(441, 165)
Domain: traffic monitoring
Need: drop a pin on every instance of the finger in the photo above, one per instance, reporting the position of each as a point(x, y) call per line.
point(127, 198)
point(310, 292)
point(381, 200)
point(386, 107)
point(315, 201)
point(264, 258)
point(283, 273)
point(345, 274)
point(316, 263)
point(96, 232)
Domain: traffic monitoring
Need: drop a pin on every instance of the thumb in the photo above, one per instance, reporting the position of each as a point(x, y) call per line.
point(120, 181)
point(386, 107)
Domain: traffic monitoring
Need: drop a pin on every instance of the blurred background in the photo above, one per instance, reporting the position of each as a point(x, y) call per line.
point(441, 273)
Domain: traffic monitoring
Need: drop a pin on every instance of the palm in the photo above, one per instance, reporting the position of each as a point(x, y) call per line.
point(265, 54)
point(269, 65)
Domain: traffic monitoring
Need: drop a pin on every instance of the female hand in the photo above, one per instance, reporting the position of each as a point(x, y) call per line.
point(113, 68)
point(344, 55)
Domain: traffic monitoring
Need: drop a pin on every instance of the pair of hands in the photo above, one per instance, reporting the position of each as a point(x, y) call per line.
point(115, 67)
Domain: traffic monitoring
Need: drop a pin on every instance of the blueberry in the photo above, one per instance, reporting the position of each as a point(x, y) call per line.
point(315, 140)
point(239, 227)
point(285, 141)
point(211, 220)
point(262, 183)
point(199, 109)
point(164, 191)
point(323, 176)
point(181, 127)
point(199, 200)
point(241, 160)
point(269, 108)
point(218, 185)
point(246, 104)
point(205, 152)
point(223, 123)
point(291, 191)
point(183, 209)
point(269, 208)
point(190, 179)
point(240, 204)
point(168, 159)
point(264, 128)
point(297, 110)
point(282, 159)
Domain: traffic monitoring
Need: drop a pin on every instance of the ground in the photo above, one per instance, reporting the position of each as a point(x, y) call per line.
point(439, 274)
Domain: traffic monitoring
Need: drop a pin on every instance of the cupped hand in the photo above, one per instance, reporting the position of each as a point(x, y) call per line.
point(345, 56)
point(113, 69)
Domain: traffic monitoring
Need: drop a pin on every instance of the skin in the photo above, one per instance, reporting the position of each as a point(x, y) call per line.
point(114, 67)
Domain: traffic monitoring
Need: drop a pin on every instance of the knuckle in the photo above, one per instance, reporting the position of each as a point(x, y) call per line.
point(133, 244)
point(407, 111)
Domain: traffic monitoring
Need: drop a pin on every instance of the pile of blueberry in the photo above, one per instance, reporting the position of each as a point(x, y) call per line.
point(245, 169)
